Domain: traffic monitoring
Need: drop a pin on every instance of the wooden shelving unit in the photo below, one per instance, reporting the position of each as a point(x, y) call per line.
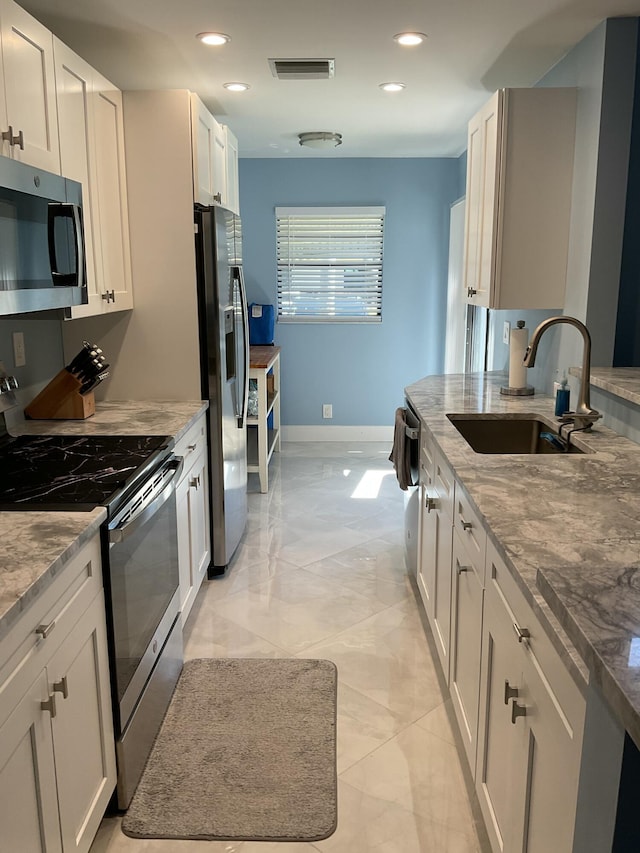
point(262, 440)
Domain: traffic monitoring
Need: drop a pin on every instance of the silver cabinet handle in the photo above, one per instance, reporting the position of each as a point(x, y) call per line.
point(471, 291)
point(49, 705)
point(430, 503)
point(218, 197)
point(106, 297)
point(466, 525)
point(517, 711)
point(9, 137)
point(463, 569)
point(191, 447)
point(61, 687)
point(509, 692)
point(45, 630)
point(521, 633)
point(195, 482)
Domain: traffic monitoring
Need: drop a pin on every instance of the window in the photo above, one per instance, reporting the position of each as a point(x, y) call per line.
point(329, 264)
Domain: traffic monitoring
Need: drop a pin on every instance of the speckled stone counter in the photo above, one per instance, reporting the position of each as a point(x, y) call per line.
point(623, 382)
point(35, 545)
point(566, 525)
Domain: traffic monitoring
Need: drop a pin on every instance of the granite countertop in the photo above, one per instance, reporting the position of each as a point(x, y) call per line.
point(623, 382)
point(34, 546)
point(566, 525)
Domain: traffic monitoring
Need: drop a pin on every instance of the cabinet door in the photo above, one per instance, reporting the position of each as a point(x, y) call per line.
point(482, 193)
point(28, 801)
point(111, 181)
point(219, 159)
point(202, 140)
point(82, 728)
point(29, 83)
point(466, 634)
point(74, 87)
point(500, 755)
point(427, 546)
point(233, 185)
point(194, 551)
point(443, 484)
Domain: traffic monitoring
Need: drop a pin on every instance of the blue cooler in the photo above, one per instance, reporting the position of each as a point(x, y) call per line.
point(261, 324)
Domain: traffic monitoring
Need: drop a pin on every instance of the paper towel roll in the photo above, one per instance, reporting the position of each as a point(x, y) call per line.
point(518, 342)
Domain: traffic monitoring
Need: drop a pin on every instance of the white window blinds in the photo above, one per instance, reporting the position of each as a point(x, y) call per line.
point(329, 263)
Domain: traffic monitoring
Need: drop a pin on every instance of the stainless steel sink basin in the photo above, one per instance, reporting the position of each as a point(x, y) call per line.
point(487, 433)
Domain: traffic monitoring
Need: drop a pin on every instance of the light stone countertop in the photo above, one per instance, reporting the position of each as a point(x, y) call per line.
point(623, 382)
point(34, 546)
point(567, 527)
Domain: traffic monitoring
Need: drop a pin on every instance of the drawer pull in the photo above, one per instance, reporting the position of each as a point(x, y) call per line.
point(509, 692)
point(49, 705)
point(430, 504)
point(61, 687)
point(522, 634)
point(517, 711)
point(463, 569)
point(471, 291)
point(195, 482)
point(191, 447)
point(45, 630)
point(466, 525)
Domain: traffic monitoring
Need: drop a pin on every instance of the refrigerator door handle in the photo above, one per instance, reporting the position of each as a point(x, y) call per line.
point(239, 290)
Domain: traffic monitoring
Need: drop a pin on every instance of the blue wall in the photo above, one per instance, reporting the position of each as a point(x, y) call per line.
point(360, 369)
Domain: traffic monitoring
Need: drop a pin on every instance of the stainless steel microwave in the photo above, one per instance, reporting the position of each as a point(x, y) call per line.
point(42, 260)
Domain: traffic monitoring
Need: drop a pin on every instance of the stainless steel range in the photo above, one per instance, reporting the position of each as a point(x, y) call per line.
point(134, 477)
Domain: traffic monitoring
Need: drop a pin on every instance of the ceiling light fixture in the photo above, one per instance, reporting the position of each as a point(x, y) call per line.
point(320, 139)
point(409, 39)
point(214, 38)
point(392, 87)
point(236, 87)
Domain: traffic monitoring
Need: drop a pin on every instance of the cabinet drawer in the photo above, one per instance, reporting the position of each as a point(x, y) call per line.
point(192, 443)
point(537, 647)
point(469, 525)
point(25, 650)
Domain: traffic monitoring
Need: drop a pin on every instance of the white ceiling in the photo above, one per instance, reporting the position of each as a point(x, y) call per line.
point(473, 48)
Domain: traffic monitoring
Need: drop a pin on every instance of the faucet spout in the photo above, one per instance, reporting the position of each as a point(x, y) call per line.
point(584, 416)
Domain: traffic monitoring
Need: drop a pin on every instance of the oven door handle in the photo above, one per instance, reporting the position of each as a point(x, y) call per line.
point(119, 534)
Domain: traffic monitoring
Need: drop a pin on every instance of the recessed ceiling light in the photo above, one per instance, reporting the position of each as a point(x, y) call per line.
point(236, 87)
point(392, 87)
point(213, 38)
point(409, 39)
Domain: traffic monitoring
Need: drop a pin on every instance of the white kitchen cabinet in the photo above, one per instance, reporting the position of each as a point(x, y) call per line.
point(435, 547)
point(466, 630)
point(192, 500)
point(57, 755)
point(531, 725)
point(209, 156)
point(519, 178)
point(28, 115)
point(92, 152)
point(233, 181)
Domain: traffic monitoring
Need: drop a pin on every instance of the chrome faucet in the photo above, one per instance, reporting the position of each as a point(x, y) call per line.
point(584, 416)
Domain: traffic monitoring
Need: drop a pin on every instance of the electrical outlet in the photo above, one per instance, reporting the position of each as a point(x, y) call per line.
point(19, 356)
point(506, 332)
point(327, 410)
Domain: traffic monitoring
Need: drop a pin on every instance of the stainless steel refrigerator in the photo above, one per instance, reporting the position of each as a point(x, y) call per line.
point(224, 367)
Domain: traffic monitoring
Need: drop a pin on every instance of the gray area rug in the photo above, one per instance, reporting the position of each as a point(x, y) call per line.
point(247, 751)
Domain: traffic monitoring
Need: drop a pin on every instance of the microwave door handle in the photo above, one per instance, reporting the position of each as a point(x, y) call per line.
point(67, 211)
point(119, 534)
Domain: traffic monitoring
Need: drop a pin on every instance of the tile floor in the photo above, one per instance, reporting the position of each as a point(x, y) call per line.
point(320, 573)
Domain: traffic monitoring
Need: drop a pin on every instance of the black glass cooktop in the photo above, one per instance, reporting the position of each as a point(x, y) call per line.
point(63, 472)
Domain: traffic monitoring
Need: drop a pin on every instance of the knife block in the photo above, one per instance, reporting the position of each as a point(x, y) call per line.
point(61, 400)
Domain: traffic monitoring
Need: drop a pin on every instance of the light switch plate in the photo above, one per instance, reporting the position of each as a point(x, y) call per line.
point(506, 331)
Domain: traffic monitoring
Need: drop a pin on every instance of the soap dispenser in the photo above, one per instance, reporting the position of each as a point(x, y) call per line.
point(562, 396)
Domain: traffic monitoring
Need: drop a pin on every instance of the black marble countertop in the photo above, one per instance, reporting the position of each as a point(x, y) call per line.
point(567, 527)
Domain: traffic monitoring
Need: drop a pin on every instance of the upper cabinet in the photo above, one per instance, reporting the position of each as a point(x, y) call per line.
point(519, 180)
point(92, 152)
point(215, 159)
point(28, 114)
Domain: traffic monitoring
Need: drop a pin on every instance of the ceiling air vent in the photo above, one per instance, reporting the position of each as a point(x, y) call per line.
point(302, 69)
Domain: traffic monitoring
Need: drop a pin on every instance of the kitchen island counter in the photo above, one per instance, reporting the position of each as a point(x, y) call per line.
point(34, 545)
point(566, 526)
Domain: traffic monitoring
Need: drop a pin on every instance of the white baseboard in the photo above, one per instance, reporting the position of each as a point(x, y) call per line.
point(337, 433)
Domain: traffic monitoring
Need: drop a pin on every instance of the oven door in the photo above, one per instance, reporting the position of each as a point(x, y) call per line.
point(142, 580)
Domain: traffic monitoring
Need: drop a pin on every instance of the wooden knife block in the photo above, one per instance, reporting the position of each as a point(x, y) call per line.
point(61, 400)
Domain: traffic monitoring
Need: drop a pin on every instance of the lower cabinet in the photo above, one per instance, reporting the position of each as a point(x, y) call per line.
point(531, 725)
point(57, 755)
point(520, 715)
point(192, 500)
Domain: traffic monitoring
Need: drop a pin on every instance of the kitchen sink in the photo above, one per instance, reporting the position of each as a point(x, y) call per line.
point(488, 433)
